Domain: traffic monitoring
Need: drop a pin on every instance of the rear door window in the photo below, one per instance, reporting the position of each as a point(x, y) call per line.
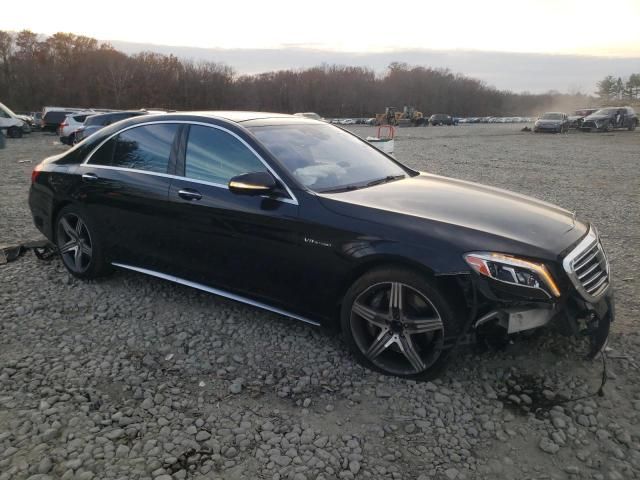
point(216, 156)
point(146, 148)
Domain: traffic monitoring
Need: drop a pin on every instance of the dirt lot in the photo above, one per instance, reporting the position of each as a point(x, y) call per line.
point(135, 378)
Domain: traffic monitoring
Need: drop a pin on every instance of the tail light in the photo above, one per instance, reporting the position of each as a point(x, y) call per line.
point(35, 173)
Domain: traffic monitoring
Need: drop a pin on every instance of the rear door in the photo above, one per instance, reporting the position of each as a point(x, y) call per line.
point(125, 186)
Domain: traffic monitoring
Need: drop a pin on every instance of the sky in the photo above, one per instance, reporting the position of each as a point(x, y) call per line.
point(583, 27)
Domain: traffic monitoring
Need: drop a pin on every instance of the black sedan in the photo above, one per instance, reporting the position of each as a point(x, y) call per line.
point(302, 218)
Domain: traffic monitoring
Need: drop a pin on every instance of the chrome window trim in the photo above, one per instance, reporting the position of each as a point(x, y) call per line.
point(157, 174)
point(293, 200)
point(216, 291)
point(591, 238)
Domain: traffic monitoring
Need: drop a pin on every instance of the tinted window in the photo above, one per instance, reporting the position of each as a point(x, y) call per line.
point(142, 148)
point(216, 156)
point(104, 155)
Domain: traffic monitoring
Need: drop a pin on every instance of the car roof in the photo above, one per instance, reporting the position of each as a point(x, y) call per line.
point(119, 112)
point(241, 116)
point(247, 119)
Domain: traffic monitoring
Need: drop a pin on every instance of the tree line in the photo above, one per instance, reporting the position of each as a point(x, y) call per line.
point(616, 89)
point(73, 70)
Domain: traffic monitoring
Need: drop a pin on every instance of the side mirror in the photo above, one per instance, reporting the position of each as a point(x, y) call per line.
point(253, 183)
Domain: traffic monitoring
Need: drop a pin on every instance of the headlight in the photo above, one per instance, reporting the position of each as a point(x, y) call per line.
point(508, 269)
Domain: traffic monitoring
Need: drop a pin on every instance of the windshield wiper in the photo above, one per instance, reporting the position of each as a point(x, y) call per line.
point(344, 188)
point(347, 188)
point(387, 179)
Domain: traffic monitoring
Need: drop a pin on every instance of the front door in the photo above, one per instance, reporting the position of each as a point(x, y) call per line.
point(243, 244)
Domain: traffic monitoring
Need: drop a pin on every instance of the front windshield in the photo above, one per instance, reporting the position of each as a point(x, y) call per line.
point(606, 111)
point(325, 158)
point(552, 116)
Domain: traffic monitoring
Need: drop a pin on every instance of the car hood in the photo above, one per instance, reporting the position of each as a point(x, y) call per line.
point(510, 219)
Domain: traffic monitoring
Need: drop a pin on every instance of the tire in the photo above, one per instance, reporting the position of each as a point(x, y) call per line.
point(79, 245)
point(14, 132)
point(607, 128)
point(379, 332)
point(633, 126)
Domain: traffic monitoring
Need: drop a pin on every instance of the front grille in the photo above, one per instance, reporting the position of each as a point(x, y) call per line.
point(588, 267)
point(589, 124)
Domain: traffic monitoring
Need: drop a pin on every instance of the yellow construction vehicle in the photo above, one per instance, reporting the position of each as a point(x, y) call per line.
point(392, 116)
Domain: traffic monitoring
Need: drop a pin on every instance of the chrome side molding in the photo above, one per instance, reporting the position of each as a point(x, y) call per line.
point(216, 291)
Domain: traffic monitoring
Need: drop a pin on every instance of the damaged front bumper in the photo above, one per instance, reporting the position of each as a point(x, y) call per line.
point(574, 317)
point(574, 293)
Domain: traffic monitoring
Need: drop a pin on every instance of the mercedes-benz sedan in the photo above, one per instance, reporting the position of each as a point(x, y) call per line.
point(307, 220)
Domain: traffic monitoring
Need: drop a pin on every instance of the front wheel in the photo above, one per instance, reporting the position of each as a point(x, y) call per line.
point(397, 322)
point(14, 132)
point(79, 245)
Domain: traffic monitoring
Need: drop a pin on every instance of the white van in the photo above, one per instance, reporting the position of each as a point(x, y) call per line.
point(10, 122)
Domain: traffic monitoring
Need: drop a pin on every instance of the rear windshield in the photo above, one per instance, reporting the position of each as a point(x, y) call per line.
point(55, 117)
point(80, 118)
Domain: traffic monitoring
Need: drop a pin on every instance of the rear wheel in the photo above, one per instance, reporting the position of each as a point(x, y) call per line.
point(79, 245)
point(633, 125)
point(396, 322)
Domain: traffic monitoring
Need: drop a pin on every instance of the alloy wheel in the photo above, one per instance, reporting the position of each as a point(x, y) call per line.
point(397, 328)
point(74, 243)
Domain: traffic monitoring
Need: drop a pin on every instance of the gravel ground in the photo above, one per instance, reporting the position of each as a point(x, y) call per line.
point(135, 378)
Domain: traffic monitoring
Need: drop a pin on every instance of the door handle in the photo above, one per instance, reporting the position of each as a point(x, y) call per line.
point(189, 194)
point(89, 177)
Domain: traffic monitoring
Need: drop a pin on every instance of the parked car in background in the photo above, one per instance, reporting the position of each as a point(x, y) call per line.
point(306, 220)
point(27, 119)
point(348, 121)
point(552, 122)
point(37, 120)
point(52, 118)
point(93, 123)
point(608, 118)
point(575, 120)
point(70, 125)
point(11, 122)
point(441, 119)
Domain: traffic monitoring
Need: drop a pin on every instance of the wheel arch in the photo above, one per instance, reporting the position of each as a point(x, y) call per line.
point(451, 286)
point(57, 207)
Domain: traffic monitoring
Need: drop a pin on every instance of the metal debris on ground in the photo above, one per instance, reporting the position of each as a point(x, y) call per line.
point(42, 249)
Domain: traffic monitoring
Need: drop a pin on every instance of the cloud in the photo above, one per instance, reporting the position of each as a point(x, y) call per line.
point(518, 72)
